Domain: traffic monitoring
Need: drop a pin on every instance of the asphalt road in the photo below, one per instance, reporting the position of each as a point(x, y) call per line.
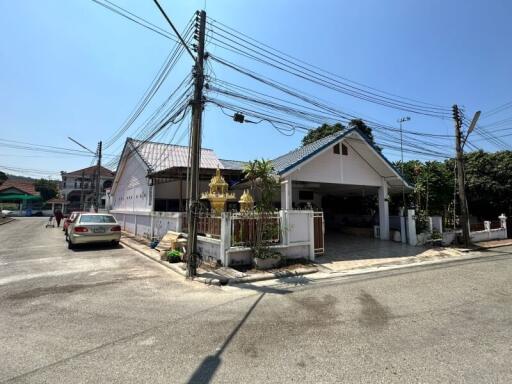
point(102, 315)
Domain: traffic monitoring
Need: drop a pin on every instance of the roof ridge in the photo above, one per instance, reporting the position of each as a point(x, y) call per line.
point(167, 144)
point(332, 136)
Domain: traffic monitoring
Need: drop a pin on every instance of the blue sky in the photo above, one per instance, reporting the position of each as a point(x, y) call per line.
point(73, 68)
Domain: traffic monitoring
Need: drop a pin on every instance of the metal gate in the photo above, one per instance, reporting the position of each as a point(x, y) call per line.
point(319, 230)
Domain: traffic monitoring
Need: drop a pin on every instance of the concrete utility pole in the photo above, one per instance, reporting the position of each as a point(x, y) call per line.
point(197, 111)
point(98, 173)
point(401, 121)
point(82, 192)
point(459, 149)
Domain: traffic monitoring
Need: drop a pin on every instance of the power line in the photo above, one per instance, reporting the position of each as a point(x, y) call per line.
point(150, 92)
point(175, 30)
point(258, 47)
point(136, 19)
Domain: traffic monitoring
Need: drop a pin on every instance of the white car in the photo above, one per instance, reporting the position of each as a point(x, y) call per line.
point(93, 228)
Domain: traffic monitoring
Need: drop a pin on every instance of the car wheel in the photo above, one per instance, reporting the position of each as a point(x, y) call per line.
point(70, 244)
point(115, 244)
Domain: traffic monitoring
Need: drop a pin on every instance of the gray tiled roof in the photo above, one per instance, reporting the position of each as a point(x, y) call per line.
point(160, 156)
point(233, 164)
point(285, 162)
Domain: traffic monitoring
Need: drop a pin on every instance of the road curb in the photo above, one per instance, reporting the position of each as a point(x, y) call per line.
point(272, 276)
point(394, 267)
point(172, 267)
point(8, 221)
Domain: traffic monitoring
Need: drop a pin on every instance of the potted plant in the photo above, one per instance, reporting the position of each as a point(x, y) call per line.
point(265, 258)
point(174, 256)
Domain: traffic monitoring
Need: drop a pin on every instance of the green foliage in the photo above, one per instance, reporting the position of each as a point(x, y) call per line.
point(3, 177)
point(488, 185)
point(47, 188)
point(321, 132)
point(361, 125)
point(263, 179)
point(326, 129)
point(174, 256)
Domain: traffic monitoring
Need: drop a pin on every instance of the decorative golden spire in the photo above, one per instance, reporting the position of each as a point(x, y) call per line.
point(246, 201)
point(217, 184)
point(218, 194)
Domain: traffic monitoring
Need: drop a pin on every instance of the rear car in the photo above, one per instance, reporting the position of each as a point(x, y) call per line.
point(69, 220)
point(88, 228)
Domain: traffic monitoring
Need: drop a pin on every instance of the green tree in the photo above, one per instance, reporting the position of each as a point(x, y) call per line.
point(47, 188)
point(263, 179)
point(3, 177)
point(361, 125)
point(489, 183)
point(433, 186)
point(323, 131)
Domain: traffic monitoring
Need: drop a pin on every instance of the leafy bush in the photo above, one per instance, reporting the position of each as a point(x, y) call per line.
point(174, 256)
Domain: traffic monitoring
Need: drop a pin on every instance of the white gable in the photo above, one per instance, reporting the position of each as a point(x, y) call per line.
point(329, 167)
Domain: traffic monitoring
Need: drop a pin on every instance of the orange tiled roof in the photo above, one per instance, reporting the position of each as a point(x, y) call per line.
point(24, 186)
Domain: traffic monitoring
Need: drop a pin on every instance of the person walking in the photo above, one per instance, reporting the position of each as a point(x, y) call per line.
point(58, 216)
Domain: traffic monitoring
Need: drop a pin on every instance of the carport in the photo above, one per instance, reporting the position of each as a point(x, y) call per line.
point(332, 174)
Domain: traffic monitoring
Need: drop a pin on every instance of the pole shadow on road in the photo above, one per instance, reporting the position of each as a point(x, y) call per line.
point(206, 370)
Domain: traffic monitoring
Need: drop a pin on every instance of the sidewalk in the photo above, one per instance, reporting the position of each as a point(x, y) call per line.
point(217, 276)
point(5, 220)
point(422, 255)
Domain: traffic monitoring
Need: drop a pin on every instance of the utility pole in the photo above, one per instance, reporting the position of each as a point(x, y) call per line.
point(401, 121)
point(98, 172)
point(459, 149)
point(82, 192)
point(197, 110)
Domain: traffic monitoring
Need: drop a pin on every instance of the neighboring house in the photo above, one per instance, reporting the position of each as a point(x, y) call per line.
point(21, 194)
point(152, 178)
point(338, 175)
point(18, 187)
point(78, 187)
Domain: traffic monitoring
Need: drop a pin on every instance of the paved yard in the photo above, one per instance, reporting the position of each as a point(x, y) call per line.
point(345, 252)
point(110, 315)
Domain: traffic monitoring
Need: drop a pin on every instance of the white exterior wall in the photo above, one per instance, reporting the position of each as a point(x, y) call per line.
point(328, 167)
point(132, 191)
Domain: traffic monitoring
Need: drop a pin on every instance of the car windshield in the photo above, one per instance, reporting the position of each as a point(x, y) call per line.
point(97, 219)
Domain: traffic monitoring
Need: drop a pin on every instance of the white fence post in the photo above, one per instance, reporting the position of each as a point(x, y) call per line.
point(284, 226)
point(179, 222)
point(487, 226)
point(435, 222)
point(225, 237)
point(411, 227)
point(311, 216)
point(503, 220)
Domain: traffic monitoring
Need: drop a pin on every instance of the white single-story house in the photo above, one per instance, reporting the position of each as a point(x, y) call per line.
point(337, 175)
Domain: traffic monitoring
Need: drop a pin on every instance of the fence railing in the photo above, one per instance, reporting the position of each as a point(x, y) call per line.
point(245, 228)
point(496, 224)
point(207, 225)
point(475, 227)
point(318, 232)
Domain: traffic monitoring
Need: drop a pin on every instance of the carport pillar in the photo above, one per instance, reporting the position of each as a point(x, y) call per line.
point(286, 194)
point(383, 211)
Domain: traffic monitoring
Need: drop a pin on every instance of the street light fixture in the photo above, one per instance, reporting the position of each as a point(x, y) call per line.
point(401, 121)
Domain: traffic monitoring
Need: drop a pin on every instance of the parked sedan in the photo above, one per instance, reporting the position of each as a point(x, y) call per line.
point(93, 228)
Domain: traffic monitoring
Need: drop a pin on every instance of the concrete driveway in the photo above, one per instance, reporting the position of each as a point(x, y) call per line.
point(104, 315)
